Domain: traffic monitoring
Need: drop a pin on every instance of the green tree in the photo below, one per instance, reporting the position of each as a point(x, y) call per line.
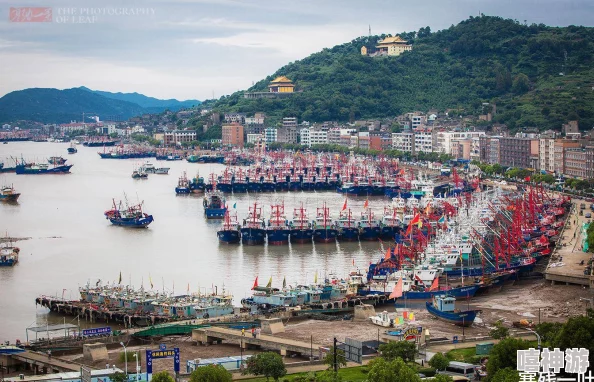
point(499, 331)
point(521, 84)
point(162, 376)
point(211, 373)
point(442, 378)
point(119, 377)
point(113, 135)
point(548, 332)
point(269, 365)
point(577, 332)
point(328, 376)
point(506, 375)
point(340, 359)
point(382, 370)
point(402, 349)
point(504, 354)
point(439, 361)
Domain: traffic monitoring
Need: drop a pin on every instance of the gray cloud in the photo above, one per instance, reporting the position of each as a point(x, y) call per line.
point(190, 48)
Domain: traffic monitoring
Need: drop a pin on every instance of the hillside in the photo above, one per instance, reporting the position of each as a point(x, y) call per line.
point(482, 59)
point(61, 106)
point(151, 103)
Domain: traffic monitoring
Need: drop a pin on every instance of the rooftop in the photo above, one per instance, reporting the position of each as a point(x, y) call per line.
point(281, 79)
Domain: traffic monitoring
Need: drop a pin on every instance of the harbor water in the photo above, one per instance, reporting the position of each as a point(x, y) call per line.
point(71, 242)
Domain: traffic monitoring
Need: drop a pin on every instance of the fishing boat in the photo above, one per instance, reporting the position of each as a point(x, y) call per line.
point(9, 254)
point(253, 230)
point(56, 160)
point(382, 319)
point(230, 233)
point(369, 228)
point(347, 226)
point(24, 168)
point(324, 230)
point(128, 215)
point(72, 149)
point(301, 228)
point(183, 186)
point(391, 224)
point(278, 230)
point(444, 308)
point(197, 185)
point(214, 205)
point(9, 194)
point(99, 142)
point(139, 174)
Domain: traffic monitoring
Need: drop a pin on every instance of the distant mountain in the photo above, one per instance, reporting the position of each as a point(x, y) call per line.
point(154, 104)
point(536, 75)
point(62, 106)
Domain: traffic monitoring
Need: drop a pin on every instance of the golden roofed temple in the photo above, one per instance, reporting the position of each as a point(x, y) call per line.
point(389, 46)
point(281, 84)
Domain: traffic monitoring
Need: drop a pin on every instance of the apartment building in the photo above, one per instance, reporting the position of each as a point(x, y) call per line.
point(518, 152)
point(561, 146)
point(177, 137)
point(424, 141)
point(546, 154)
point(404, 141)
point(270, 135)
point(443, 139)
point(233, 135)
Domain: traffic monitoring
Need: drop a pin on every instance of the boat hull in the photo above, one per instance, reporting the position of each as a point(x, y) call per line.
point(229, 237)
point(182, 190)
point(24, 170)
point(417, 296)
point(215, 213)
point(324, 235)
point(301, 236)
point(278, 236)
point(369, 233)
point(9, 198)
point(348, 234)
point(132, 223)
point(253, 236)
point(465, 318)
point(388, 232)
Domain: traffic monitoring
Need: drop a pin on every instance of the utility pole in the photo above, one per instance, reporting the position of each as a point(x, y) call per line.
point(335, 357)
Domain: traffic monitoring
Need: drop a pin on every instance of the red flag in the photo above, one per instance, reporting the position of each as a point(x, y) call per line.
point(387, 255)
point(527, 179)
point(397, 292)
point(435, 284)
point(255, 283)
point(366, 204)
point(353, 262)
point(419, 279)
point(344, 206)
point(416, 219)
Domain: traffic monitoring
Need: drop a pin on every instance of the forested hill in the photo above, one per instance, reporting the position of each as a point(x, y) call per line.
point(538, 76)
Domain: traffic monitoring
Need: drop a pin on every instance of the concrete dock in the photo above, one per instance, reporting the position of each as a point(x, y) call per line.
point(283, 345)
point(565, 264)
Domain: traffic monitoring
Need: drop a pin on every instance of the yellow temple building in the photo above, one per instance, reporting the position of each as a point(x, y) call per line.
point(281, 85)
point(389, 46)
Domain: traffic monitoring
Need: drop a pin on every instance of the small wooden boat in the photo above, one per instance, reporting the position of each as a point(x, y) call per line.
point(444, 308)
point(382, 319)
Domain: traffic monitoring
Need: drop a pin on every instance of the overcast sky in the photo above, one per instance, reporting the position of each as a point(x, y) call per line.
point(192, 49)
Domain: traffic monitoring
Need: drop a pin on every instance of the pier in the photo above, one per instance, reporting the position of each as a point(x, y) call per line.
point(568, 262)
point(40, 363)
point(283, 345)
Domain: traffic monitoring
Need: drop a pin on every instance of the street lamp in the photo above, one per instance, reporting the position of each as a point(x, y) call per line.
point(537, 336)
point(137, 365)
point(125, 358)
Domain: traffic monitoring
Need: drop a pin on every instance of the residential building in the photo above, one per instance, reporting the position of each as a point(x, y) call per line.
point(304, 135)
point(518, 152)
point(489, 149)
point(288, 133)
point(590, 162)
point(571, 128)
point(475, 149)
point(233, 135)
point(254, 138)
point(333, 136)
point(417, 120)
point(423, 141)
point(561, 146)
point(106, 128)
point(546, 154)
point(404, 141)
point(363, 141)
point(235, 118)
point(443, 139)
point(389, 46)
point(255, 124)
point(270, 135)
point(311, 136)
point(72, 126)
point(289, 122)
point(461, 148)
point(177, 137)
point(576, 160)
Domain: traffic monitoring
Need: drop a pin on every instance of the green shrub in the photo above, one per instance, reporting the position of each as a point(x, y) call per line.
point(427, 371)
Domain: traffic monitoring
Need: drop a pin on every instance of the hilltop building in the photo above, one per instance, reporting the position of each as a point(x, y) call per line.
point(389, 46)
point(279, 87)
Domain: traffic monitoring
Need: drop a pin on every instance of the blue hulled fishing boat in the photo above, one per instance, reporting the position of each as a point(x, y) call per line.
point(9, 194)
point(214, 205)
point(183, 186)
point(347, 226)
point(128, 216)
point(253, 231)
point(230, 233)
point(369, 228)
point(301, 228)
point(9, 254)
point(72, 149)
point(324, 230)
point(278, 230)
point(24, 168)
point(197, 185)
point(391, 223)
point(444, 308)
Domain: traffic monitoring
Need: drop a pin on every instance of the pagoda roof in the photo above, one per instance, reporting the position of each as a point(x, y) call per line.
point(392, 40)
point(281, 79)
